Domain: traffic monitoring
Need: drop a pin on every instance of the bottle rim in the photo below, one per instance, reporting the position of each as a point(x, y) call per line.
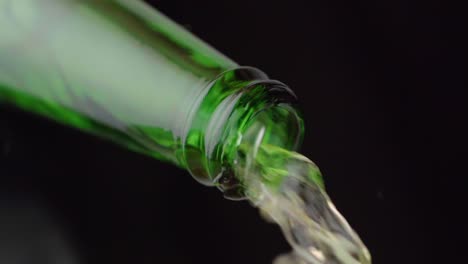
point(250, 98)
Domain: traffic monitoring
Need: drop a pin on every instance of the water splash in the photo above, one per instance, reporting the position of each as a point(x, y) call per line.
point(288, 189)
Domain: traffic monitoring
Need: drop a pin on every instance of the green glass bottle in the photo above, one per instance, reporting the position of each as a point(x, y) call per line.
point(123, 71)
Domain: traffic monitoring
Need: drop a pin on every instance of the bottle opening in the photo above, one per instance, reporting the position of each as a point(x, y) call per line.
point(239, 103)
point(272, 120)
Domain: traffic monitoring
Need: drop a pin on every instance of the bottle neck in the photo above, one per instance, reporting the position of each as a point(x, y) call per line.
point(240, 104)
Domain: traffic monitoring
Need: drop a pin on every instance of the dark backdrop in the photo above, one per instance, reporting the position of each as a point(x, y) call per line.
point(365, 73)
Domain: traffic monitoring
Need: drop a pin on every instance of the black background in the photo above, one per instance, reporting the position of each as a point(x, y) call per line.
point(374, 98)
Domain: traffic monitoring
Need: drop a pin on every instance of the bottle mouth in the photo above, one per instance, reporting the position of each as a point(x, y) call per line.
point(271, 118)
point(277, 121)
point(239, 105)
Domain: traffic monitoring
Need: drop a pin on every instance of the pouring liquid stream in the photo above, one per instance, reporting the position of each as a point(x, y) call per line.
point(288, 189)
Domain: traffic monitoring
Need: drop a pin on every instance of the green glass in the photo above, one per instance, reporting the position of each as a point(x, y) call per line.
point(123, 71)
